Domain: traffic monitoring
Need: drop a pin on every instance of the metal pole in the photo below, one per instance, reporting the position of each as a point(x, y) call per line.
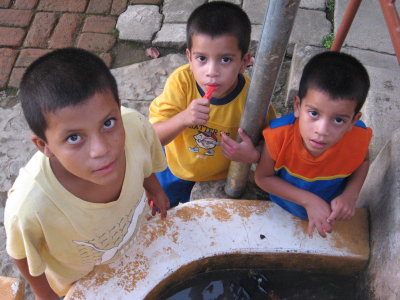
point(344, 27)
point(278, 23)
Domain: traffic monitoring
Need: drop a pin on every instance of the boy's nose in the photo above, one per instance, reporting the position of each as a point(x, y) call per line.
point(98, 147)
point(321, 127)
point(212, 69)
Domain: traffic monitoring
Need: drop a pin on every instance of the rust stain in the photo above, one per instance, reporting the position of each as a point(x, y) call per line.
point(150, 231)
point(246, 208)
point(353, 234)
point(301, 227)
point(189, 213)
point(77, 295)
point(175, 236)
point(221, 213)
point(129, 274)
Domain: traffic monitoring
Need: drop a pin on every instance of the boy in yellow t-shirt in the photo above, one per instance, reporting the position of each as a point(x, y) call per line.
point(77, 202)
point(199, 133)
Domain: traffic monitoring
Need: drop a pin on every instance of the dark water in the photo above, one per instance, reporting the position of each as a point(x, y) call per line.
point(265, 285)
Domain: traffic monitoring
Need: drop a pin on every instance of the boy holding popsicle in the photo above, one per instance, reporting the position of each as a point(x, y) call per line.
point(198, 114)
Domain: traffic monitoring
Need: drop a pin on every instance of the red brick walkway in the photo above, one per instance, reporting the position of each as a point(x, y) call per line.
point(31, 28)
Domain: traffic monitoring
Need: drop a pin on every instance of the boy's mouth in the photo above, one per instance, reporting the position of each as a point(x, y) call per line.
point(317, 144)
point(105, 169)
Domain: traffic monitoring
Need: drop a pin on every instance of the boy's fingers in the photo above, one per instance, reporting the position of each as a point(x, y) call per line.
point(163, 213)
point(322, 231)
point(310, 229)
point(243, 135)
point(333, 216)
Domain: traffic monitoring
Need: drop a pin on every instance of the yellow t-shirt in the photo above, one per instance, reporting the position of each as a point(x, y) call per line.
point(64, 236)
point(195, 154)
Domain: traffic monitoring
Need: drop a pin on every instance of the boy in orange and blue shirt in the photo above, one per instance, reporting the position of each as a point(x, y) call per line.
point(315, 160)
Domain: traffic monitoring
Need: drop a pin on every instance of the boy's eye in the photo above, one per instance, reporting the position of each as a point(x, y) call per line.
point(313, 113)
point(225, 59)
point(110, 123)
point(201, 58)
point(339, 121)
point(74, 139)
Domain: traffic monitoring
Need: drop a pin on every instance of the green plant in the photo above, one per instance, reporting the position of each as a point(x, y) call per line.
point(330, 10)
point(327, 40)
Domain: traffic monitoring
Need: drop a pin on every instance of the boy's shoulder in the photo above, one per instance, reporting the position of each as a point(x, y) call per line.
point(288, 119)
point(26, 187)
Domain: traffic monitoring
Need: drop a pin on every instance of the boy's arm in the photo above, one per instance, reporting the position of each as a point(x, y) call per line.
point(344, 205)
point(39, 284)
point(241, 152)
point(317, 209)
point(197, 113)
point(156, 195)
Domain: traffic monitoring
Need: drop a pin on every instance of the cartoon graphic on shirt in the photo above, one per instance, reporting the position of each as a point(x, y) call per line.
point(114, 240)
point(207, 141)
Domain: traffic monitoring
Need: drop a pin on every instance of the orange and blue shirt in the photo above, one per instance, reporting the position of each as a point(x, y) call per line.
point(325, 175)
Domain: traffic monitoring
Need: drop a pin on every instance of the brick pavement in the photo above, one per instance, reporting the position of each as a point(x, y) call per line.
point(31, 28)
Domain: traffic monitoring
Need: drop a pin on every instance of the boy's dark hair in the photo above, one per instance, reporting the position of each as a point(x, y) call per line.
point(64, 77)
point(339, 75)
point(219, 18)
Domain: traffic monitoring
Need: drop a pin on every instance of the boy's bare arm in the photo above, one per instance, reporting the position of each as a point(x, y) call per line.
point(156, 194)
point(241, 152)
point(39, 284)
point(344, 206)
point(197, 113)
point(317, 209)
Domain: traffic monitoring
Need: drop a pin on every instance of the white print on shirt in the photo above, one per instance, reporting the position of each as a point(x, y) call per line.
point(206, 141)
point(122, 232)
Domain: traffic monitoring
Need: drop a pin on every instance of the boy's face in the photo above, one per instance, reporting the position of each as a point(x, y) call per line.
point(87, 141)
point(216, 61)
point(322, 120)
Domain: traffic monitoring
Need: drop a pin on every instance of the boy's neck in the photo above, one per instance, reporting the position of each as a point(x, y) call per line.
point(86, 190)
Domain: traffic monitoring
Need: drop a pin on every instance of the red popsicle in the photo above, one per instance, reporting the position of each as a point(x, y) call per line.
point(210, 90)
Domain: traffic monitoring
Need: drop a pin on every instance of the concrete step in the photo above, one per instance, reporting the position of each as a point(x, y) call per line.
point(218, 234)
point(368, 30)
point(11, 288)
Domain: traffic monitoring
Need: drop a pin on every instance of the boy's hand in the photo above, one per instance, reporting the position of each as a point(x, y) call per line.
point(318, 212)
point(156, 195)
point(241, 152)
point(343, 208)
point(197, 113)
point(158, 202)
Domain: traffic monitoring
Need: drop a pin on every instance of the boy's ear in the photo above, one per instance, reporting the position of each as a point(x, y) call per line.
point(245, 62)
point(356, 117)
point(296, 106)
point(41, 145)
point(188, 55)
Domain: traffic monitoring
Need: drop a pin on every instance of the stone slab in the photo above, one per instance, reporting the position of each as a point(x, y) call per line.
point(177, 11)
point(215, 234)
point(16, 145)
point(171, 36)
point(144, 81)
point(139, 23)
point(381, 195)
point(256, 10)
point(309, 27)
point(313, 4)
point(382, 108)
point(368, 30)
